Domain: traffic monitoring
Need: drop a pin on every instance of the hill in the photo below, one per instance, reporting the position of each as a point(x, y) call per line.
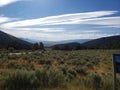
point(68, 46)
point(7, 41)
point(112, 42)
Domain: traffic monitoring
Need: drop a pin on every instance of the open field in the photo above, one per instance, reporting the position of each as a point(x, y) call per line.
point(57, 70)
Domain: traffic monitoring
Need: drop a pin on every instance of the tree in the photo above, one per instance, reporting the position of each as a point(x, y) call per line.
point(56, 47)
point(38, 46)
point(66, 47)
point(41, 46)
point(11, 49)
point(35, 46)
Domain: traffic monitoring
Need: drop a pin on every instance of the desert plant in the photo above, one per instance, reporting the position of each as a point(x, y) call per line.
point(94, 81)
point(22, 79)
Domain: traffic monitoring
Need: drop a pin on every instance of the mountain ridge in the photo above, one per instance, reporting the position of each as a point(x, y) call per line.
point(7, 41)
point(111, 42)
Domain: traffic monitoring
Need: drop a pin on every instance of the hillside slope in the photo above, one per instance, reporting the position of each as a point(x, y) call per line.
point(7, 41)
point(68, 46)
point(112, 42)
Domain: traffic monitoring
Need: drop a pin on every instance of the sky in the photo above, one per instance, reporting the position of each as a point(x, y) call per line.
point(56, 20)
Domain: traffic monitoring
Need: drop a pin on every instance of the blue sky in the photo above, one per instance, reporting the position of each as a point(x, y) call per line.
point(55, 20)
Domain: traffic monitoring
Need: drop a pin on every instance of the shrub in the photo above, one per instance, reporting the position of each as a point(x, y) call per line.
point(56, 78)
point(13, 57)
point(22, 79)
point(41, 61)
point(25, 57)
point(94, 81)
point(72, 72)
point(64, 69)
point(48, 62)
point(11, 49)
point(3, 60)
point(107, 82)
point(81, 70)
point(118, 82)
point(30, 80)
point(50, 77)
point(3, 81)
point(89, 65)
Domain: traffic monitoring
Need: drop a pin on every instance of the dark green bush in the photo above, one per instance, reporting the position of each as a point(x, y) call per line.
point(48, 62)
point(13, 57)
point(89, 65)
point(72, 73)
point(81, 70)
point(11, 49)
point(64, 69)
point(3, 60)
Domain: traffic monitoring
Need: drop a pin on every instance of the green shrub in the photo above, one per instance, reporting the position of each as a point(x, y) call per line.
point(50, 77)
point(22, 79)
point(25, 57)
point(89, 65)
point(13, 57)
point(56, 78)
point(11, 49)
point(107, 82)
point(64, 69)
point(94, 81)
point(48, 62)
point(71, 73)
point(81, 70)
point(28, 80)
point(118, 82)
point(3, 81)
point(3, 60)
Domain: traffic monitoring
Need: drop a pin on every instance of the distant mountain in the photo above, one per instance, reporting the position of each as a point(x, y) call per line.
point(51, 43)
point(68, 46)
point(74, 40)
point(112, 42)
point(7, 41)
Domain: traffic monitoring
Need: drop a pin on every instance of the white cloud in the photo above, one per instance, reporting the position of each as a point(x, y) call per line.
point(22, 28)
point(105, 21)
point(6, 2)
point(90, 31)
point(76, 18)
point(57, 36)
point(46, 30)
point(6, 19)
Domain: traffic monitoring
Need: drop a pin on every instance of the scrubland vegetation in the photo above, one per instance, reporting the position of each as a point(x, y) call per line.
point(57, 70)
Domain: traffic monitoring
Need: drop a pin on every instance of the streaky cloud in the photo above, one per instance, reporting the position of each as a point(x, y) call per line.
point(74, 18)
point(34, 27)
point(6, 19)
point(46, 30)
point(57, 36)
point(7, 2)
